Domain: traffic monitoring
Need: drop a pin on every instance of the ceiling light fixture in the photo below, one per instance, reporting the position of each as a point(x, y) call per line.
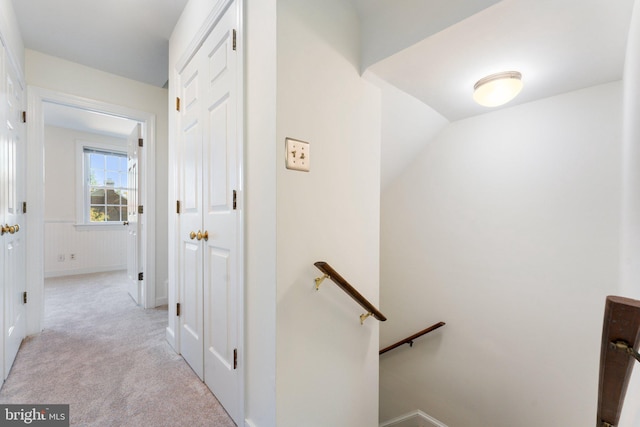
point(497, 89)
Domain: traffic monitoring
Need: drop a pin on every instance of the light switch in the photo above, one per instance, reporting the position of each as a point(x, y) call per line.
point(297, 155)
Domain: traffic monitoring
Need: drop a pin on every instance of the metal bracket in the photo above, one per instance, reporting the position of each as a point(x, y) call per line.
point(624, 346)
point(364, 316)
point(319, 280)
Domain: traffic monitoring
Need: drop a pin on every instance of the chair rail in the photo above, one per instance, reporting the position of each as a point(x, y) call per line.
point(409, 340)
point(620, 342)
point(330, 273)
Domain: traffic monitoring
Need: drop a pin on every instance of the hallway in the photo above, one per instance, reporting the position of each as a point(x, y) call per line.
point(108, 360)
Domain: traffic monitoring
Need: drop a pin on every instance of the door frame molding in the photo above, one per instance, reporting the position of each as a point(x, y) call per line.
point(35, 193)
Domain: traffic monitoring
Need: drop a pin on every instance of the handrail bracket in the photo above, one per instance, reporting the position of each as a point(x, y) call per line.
point(364, 316)
point(319, 281)
point(625, 347)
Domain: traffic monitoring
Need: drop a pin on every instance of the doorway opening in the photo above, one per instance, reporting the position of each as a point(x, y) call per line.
point(91, 129)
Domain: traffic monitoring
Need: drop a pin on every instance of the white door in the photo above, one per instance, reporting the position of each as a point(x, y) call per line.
point(190, 250)
point(13, 240)
point(134, 285)
point(209, 220)
point(3, 201)
point(220, 218)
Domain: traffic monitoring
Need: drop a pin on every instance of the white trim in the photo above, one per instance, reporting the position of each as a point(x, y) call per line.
point(88, 270)
point(35, 193)
point(411, 418)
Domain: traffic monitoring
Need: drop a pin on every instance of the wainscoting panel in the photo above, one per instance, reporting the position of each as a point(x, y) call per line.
point(71, 249)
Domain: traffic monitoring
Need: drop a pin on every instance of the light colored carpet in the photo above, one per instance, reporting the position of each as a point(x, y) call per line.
point(109, 360)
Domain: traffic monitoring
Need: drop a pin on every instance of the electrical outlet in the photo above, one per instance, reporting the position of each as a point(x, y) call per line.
point(72, 256)
point(298, 156)
point(61, 258)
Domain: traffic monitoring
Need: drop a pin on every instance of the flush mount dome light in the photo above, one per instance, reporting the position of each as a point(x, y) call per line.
point(497, 89)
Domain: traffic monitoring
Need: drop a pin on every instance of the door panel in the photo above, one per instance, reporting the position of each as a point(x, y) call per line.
point(191, 319)
point(218, 293)
point(14, 165)
point(190, 253)
point(220, 219)
point(3, 205)
point(134, 286)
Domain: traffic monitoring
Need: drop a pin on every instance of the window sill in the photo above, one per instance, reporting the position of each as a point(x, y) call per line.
point(115, 226)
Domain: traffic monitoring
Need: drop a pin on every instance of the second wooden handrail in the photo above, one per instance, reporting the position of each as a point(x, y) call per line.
point(620, 343)
point(330, 273)
point(409, 340)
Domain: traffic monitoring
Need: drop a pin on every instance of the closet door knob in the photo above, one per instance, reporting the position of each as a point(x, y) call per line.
point(199, 235)
point(192, 235)
point(205, 236)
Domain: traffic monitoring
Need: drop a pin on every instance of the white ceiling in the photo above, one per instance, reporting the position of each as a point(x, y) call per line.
point(557, 45)
point(86, 121)
point(129, 38)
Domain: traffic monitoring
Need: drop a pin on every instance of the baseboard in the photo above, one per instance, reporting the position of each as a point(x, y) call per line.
point(413, 418)
point(161, 301)
point(88, 270)
point(171, 338)
point(248, 423)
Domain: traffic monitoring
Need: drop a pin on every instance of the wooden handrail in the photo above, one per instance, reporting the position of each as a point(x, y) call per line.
point(620, 342)
point(330, 273)
point(409, 340)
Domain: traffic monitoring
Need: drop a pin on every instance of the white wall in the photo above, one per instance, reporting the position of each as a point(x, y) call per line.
point(408, 125)
point(506, 227)
point(327, 363)
point(95, 249)
point(258, 42)
point(56, 74)
point(630, 231)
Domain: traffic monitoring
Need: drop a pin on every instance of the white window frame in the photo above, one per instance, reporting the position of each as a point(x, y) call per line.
point(82, 214)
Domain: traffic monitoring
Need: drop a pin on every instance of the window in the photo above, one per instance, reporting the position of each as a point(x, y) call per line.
point(104, 185)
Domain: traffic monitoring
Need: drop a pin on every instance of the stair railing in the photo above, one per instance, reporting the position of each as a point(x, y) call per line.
point(330, 273)
point(409, 340)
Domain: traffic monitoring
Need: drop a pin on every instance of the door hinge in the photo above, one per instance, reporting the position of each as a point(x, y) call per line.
point(24, 117)
point(177, 104)
point(235, 358)
point(177, 206)
point(24, 207)
point(235, 200)
point(178, 309)
point(24, 297)
point(140, 142)
point(140, 209)
point(234, 39)
point(140, 276)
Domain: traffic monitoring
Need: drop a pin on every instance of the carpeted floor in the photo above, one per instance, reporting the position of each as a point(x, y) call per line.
point(108, 360)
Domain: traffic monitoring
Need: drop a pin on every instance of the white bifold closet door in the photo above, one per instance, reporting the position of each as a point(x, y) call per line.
point(208, 167)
